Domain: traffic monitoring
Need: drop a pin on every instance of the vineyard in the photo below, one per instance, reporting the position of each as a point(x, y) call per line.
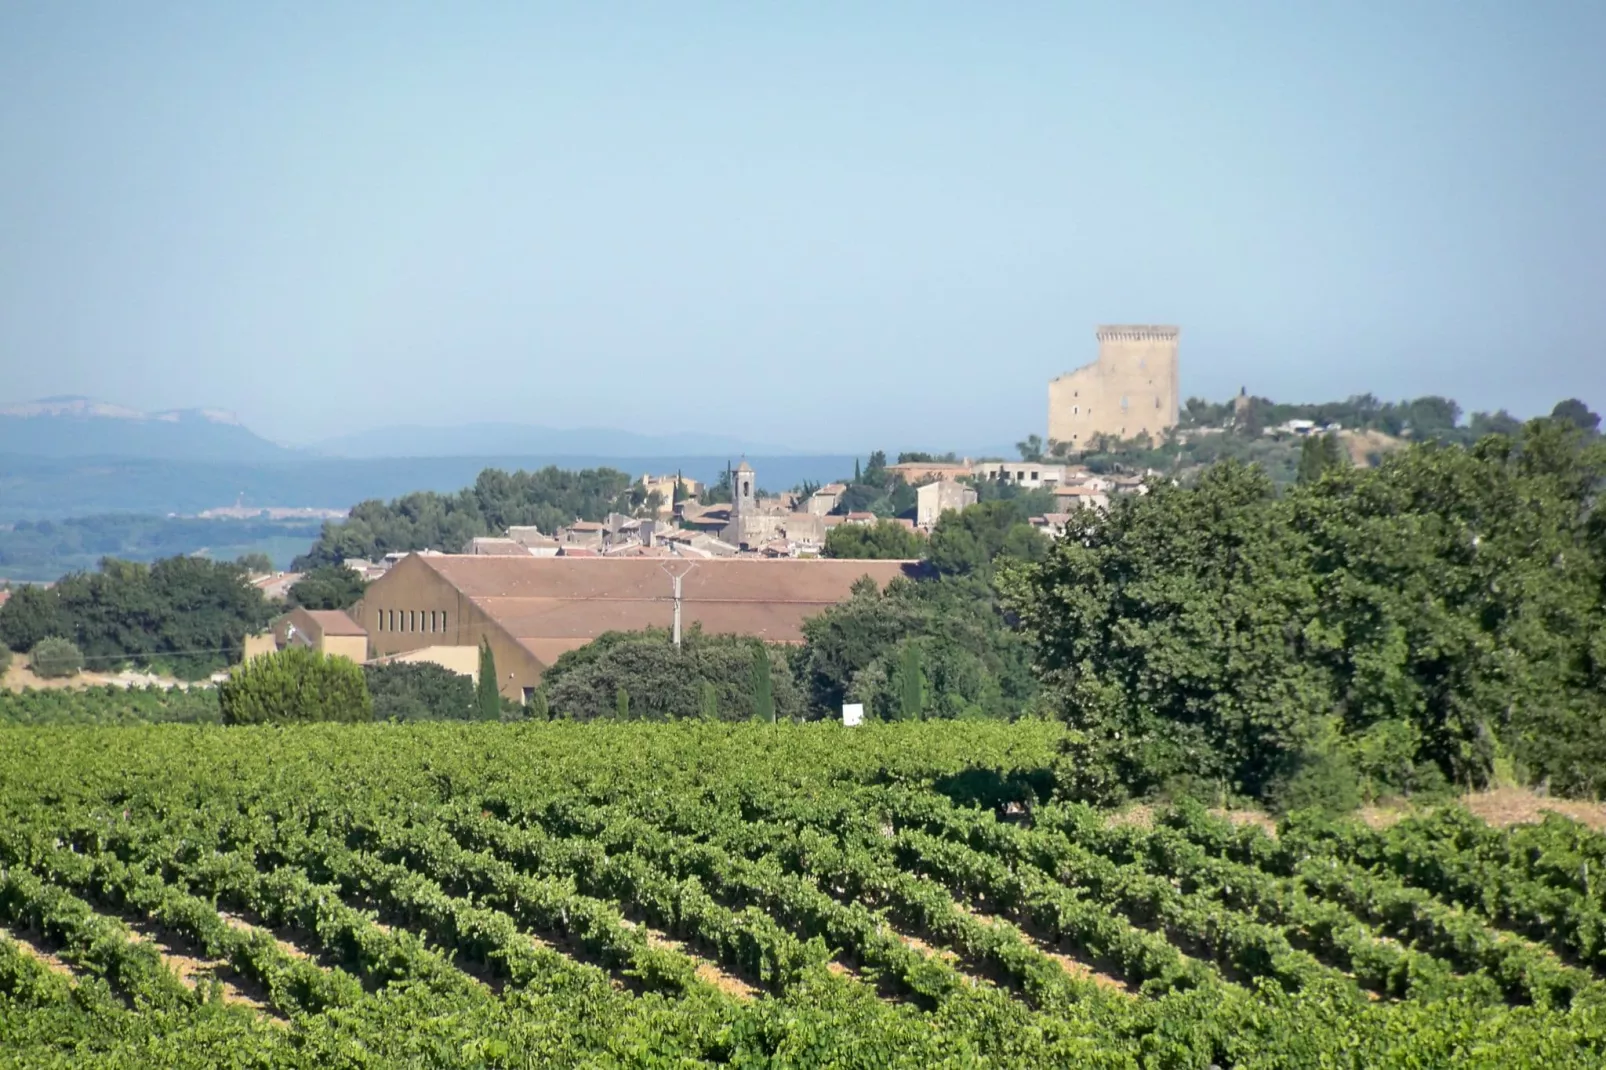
point(672, 895)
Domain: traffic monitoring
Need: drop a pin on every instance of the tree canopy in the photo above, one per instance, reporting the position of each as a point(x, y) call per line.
point(188, 614)
point(1436, 619)
point(328, 587)
point(547, 499)
point(885, 540)
point(709, 674)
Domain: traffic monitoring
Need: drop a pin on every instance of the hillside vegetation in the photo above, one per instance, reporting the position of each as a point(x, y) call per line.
point(519, 895)
point(1436, 619)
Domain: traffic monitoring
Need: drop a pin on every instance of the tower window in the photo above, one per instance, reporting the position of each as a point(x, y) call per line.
point(1123, 402)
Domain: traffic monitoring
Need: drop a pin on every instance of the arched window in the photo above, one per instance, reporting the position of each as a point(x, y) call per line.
point(747, 488)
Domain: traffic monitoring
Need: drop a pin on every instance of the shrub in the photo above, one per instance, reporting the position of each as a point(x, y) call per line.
point(420, 691)
point(5, 658)
point(294, 685)
point(56, 657)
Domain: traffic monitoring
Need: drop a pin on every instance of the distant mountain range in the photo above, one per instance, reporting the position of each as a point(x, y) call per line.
point(64, 427)
point(83, 427)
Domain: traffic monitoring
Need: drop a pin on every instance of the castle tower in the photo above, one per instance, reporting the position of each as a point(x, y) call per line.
point(1131, 390)
point(743, 491)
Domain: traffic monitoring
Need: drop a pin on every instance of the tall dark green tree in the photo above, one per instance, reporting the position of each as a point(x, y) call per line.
point(911, 684)
point(1319, 454)
point(487, 694)
point(763, 686)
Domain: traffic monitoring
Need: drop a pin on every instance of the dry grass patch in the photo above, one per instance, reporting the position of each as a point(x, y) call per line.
point(1520, 806)
point(1140, 815)
point(1259, 818)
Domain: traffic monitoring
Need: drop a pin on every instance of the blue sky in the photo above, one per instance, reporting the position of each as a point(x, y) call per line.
point(823, 225)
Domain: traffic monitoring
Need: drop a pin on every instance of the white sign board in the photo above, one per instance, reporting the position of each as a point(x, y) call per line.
point(852, 713)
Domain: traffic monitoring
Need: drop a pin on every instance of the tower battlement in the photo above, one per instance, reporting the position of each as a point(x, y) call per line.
point(1130, 392)
point(1137, 332)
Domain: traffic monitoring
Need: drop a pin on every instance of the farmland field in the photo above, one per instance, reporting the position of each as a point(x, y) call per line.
point(688, 894)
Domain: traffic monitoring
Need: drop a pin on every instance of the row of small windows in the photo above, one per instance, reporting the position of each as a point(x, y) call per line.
point(412, 620)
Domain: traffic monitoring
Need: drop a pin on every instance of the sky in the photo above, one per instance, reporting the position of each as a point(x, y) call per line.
point(827, 226)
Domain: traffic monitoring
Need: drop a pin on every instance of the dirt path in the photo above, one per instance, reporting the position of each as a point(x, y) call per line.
point(708, 971)
point(35, 948)
point(196, 969)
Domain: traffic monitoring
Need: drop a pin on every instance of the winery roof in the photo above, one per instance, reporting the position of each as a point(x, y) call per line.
point(542, 601)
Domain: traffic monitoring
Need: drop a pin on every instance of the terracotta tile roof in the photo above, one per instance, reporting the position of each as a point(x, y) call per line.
point(552, 598)
point(546, 651)
point(335, 622)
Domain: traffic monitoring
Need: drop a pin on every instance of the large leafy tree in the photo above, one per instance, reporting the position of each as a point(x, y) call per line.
point(1437, 617)
point(420, 691)
point(709, 676)
point(297, 684)
point(186, 613)
point(328, 587)
point(885, 540)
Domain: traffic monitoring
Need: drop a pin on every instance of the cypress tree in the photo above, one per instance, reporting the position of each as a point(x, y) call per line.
point(487, 697)
point(763, 687)
point(708, 702)
point(539, 709)
point(621, 704)
point(911, 685)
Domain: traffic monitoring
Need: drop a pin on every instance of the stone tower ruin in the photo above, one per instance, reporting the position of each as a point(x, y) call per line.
point(1132, 390)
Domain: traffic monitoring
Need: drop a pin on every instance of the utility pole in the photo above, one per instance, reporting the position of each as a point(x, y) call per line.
point(677, 577)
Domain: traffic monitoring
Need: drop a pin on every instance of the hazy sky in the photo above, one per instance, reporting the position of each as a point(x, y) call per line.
point(821, 224)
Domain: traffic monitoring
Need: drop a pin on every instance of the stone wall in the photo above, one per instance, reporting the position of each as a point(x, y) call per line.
point(1131, 390)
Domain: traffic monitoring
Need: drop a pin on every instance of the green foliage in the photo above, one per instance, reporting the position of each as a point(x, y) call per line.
point(1030, 448)
point(55, 657)
point(1577, 414)
point(540, 709)
point(187, 614)
point(487, 692)
point(621, 704)
point(328, 587)
point(1448, 601)
point(763, 688)
point(709, 674)
point(420, 691)
point(970, 541)
point(1319, 454)
point(31, 614)
point(911, 684)
point(295, 685)
point(885, 540)
point(972, 664)
point(5, 660)
point(548, 499)
point(771, 850)
point(255, 562)
point(109, 705)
